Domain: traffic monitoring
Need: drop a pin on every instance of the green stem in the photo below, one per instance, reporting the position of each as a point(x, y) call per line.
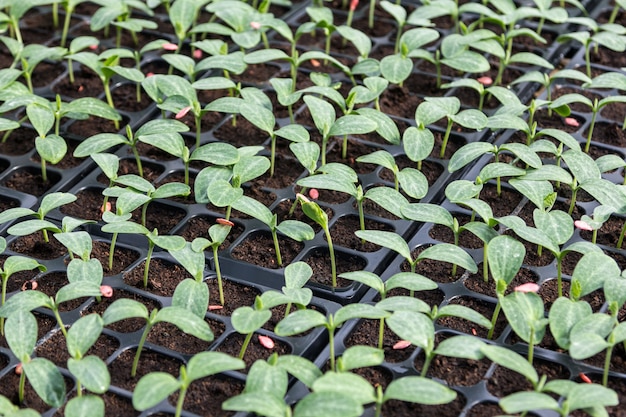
point(219, 274)
point(485, 264)
point(272, 155)
point(279, 259)
point(144, 211)
point(55, 310)
point(44, 172)
point(146, 267)
point(494, 319)
point(444, 144)
point(572, 203)
point(331, 348)
point(245, 344)
point(381, 333)
point(138, 161)
point(324, 143)
point(594, 235)
point(45, 235)
point(142, 341)
point(370, 20)
point(107, 93)
point(66, 25)
point(181, 400)
point(591, 126)
point(198, 118)
point(20, 394)
point(5, 280)
point(331, 250)
point(588, 59)
point(531, 349)
point(112, 251)
point(344, 147)
point(614, 14)
point(427, 360)
point(621, 237)
point(607, 365)
point(559, 281)
point(79, 389)
point(186, 172)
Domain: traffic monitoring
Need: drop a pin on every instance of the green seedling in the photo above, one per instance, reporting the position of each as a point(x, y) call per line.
point(302, 320)
point(125, 308)
point(154, 240)
point(218, 233)
point(444, 252)
point(157, 386)
point(48, 203)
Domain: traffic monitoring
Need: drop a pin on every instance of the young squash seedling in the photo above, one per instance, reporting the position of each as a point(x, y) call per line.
point(101, 142)
point(12, 265)
point(43, 375)
point(191, 294)
point(524, 311)
point(218, 233)
point(444, 252)
point(106, 65)
point(246, 320)
point(89, 371)
point(48, 203)
point(154, 239)
point(302, 320)
point(314, 212)
point(294, 229)
point(408, 280)
point(185, 320)
point(157, 386)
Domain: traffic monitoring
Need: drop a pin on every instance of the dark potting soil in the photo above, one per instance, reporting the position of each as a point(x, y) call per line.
point(30, 181)
point(199, 227)
point(504, 382)
point(255, 351)
point(342, 233)
point(609, 134)
point(171, 337)
point(319, 260)
point(33, 245)
point(366, 333)
point(55, 348)
point(445, 234)
point(258, 249)
point(438, 271)
point(149, 361)
point(51, 283)
point(163, 277)
point(476, 283)
point(128, 325)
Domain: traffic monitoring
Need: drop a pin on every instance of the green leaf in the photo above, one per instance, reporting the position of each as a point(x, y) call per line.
point(90, 271)
point(299, 322)
point(592, 270)
point(415, 327)
point(467, 313)
point(361, 356)
point(388, 198)
point(78, 289)
point(352, 124)
point(186, 322)
point(192, 295)
point(322, 112)
point(247, 320)
point(98, 143)
point(413, 182)
point(296, 230)
point(85, 406)
point(260, 403)
point(52, 148)
point(389, 240)
point(217, 153)
point(428, 213)
point(154, 388)
point(591, 395)
point(347, 384)
point(447, 252)
point(564, 314)
point(124, 308)
point(221, 193)
point(528, 401)
point(420, 390)
point(505, 256)
point(469, 153)
point(461, 346)
point(418, 143)
point(253, 208)
point(525, 314)
point(21, 334)
point(368, 278)
point(25, 301)
point(354, 311)
point(46, 380)
point(191, 260)
point(83, 334)
point(210, 363)
point(92, 373)
point(396, 68)
point(41, 117)
point(511, 360)
point(328, 404)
